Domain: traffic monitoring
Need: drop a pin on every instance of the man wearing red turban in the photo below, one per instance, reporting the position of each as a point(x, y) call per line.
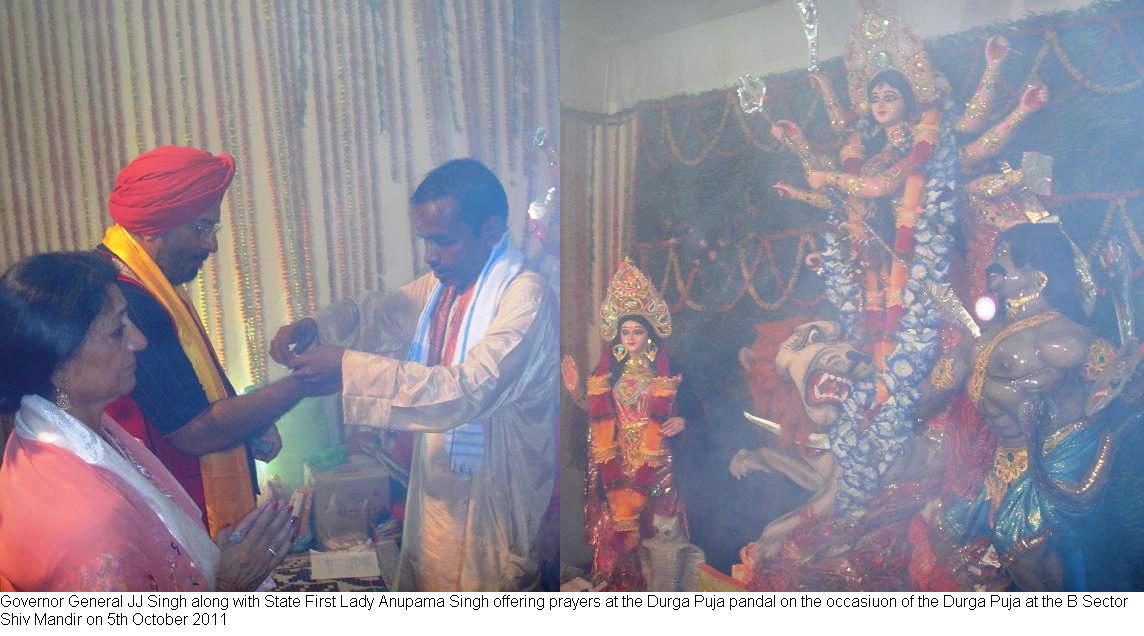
point(168, 187)
point(167, 205)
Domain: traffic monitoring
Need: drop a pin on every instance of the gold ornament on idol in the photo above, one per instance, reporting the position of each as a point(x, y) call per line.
point(619, 352)
point(1016, 305)
point(880, 42)
point(631, 294)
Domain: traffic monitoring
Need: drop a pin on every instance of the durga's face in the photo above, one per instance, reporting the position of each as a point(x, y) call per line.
point(887, 105)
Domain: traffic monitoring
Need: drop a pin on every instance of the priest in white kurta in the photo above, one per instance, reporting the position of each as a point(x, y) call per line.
point(470, 364)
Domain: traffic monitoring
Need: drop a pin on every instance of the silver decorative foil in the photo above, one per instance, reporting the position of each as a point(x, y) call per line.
point(950, 307)
point(808, 11)
point(752, 94)
point(1037, 170)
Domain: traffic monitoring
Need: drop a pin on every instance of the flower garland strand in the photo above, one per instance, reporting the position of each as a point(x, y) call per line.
point(386, 62)
point(430, 73)
point(359, 113)
point(297, 220)
point(209, 280)
point(251, 293)
point(242, 201)
point(367, 143)
point(167, 73)
point(350, 231)
point(402, 134)
point(188, 137)
point(490, 79)
point(1053, 40)
point(269, 102)
point(673, 276)
point(1050, 43)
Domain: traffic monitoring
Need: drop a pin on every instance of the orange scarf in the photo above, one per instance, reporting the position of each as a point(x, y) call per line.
point(226, 474)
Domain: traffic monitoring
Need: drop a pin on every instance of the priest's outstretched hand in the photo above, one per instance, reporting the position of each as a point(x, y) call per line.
point(293, 339)
point(319, 369)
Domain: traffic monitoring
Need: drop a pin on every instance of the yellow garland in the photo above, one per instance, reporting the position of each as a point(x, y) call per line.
point(277, 160)
point(1053, 40)
point(1118, 207)
point(350, 237)
point(247, 272)
point(666, 122)
point(673, 269)
point(730, 105)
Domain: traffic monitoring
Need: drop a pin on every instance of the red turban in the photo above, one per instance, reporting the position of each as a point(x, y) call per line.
point(167, 187)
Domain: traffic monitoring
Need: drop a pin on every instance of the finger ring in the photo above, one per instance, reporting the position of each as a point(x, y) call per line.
point(235, 537)
point(271, 550)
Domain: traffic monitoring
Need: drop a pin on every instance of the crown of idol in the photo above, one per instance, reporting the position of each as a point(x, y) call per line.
point(881, 42)
point(631, 294)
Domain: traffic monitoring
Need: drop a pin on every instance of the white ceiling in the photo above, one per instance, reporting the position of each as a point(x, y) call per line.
point(612, 21)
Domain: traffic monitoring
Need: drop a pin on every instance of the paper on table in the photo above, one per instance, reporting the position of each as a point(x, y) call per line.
point(359, 563)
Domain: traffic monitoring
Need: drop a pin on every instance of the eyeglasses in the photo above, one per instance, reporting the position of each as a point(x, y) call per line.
point(887, 98)
point(206, 229)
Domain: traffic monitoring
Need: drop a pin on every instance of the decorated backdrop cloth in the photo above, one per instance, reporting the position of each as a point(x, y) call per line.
point(475, 532)
point(101, 523)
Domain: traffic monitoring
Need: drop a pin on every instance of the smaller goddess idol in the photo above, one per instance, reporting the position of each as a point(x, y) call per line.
point(630, 401)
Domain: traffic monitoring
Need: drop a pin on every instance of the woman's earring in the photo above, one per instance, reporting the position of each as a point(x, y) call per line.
point(619, 352)
point(652, 350)
point(61, 399)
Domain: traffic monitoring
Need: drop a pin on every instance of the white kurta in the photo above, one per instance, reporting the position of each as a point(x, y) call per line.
point(466, 533)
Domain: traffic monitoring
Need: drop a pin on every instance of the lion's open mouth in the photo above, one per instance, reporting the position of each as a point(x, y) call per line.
point(824, 387)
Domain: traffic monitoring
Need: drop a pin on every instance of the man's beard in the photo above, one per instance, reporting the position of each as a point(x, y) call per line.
point(188, 274)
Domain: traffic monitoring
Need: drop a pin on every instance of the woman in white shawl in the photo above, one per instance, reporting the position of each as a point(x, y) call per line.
point(83, 505)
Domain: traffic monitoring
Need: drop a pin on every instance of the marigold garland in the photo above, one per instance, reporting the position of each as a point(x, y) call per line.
point(673, 276)
point(272, 138)
point(1051, 39)
point(1051, 43)
point(184, 97)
